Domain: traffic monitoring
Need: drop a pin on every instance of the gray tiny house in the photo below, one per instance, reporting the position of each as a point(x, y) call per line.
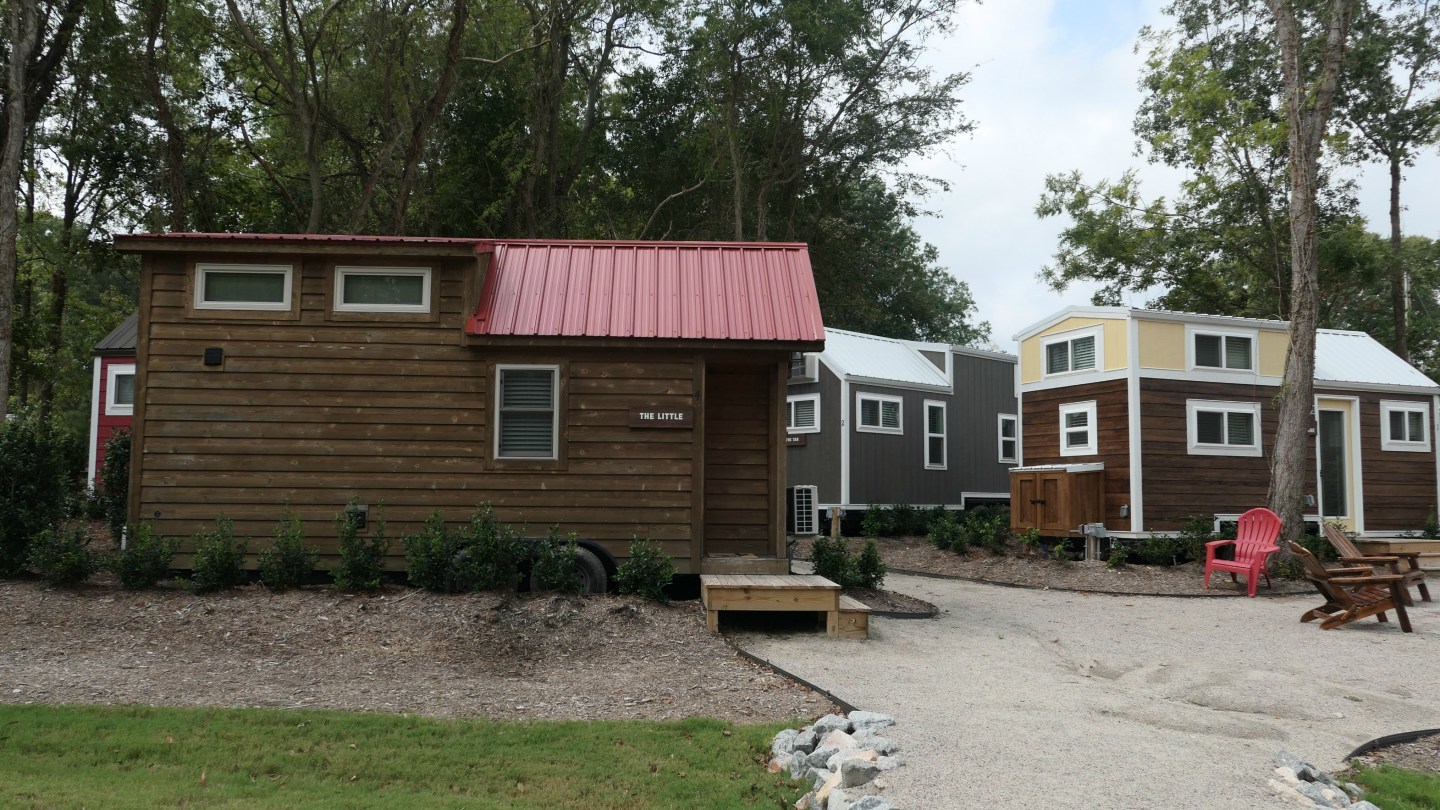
point(886, 421)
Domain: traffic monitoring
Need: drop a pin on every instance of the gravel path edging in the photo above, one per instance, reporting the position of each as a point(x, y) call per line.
point(827, 694)
point(1023, 586)
point(901, 614)
point(1391, 739)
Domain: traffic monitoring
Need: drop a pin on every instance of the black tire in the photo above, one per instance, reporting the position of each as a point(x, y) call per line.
point(593, 575)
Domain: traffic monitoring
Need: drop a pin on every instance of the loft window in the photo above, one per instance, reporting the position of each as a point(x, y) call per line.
point(525, 425)
point(1404, 426)
point(879, 414)
point(802, 414)
point(120, 390)
point(1222, 350)
point(1223, 428)
point(382, 289)
point(1070, 354)
point(1009, 438)
point(1077, 429)
point(264, 287)
point(934, 435)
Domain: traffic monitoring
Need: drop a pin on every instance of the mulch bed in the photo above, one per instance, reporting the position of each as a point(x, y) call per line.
point(1421, 755)
point(917, 555)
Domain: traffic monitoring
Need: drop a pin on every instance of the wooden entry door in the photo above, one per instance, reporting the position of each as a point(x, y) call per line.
point(738, 444)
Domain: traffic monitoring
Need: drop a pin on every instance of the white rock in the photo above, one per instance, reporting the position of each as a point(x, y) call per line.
point(1287, 775)
point(829, 723)
point(838, 739)
point(870, 721)
point(823, 794)
point(838, 800)
point(1290, 794)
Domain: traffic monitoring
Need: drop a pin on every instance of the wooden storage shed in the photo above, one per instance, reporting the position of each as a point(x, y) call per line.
point(617, 389)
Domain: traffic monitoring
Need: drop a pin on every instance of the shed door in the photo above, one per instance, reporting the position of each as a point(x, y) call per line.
point(737, 461)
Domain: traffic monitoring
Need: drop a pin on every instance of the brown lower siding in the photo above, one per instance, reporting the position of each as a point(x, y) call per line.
point(1399, 488)
point(312, 412)
point(1040, 432)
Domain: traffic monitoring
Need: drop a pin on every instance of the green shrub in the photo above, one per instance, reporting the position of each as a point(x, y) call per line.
point(1117, 556)
point(868, 571)
point(430, 557)
point(878, 521)
point(114, 494)
point(554, 565)
point(646, 572)
point(832, 560)
point(987, 527)
point(1162, 549)
point(362, 560)
point(1432, 526)
point(145, 560)
point(1030, 541)
point(944, 533)
point(62, 556)
point(288, 563)
point(218, 560)
point(1196, 532)
point(492, 555)
point(35, 487)
point(1060, 551)
point(906, 521)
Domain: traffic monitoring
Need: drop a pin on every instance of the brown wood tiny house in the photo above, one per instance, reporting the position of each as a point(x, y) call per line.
point(439, 374)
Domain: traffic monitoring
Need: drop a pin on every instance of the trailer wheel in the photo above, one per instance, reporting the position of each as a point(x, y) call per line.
point(593, 577)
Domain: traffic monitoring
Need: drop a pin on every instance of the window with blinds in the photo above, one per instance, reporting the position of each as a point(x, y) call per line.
point(243, 286)
point(525, 416)
point(1224, 351)
point(1073, 354)
point(1223, 428)
point(934, 435)
point(1078, 429)
point(382, 289)
point(120, 390)
point(802, 413)
point(879, 413)
point(1404, 426)
point(1009, 438)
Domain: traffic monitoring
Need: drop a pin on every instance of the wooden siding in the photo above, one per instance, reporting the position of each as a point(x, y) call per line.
point(1178, 486)
point(738, 445)
point(1040, 433)
point(1399, 487)
point(315, 410)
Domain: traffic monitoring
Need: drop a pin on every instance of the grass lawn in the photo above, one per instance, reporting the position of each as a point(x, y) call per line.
point(1391, 788)
point(117, 757)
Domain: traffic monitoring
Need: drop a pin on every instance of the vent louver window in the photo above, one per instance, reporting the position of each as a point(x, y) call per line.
point(527, 413)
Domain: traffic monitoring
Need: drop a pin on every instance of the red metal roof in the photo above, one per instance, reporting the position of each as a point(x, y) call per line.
point(298, 238)
point(684, 290)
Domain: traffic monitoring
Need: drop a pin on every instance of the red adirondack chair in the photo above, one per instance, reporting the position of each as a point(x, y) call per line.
point(1255, 540)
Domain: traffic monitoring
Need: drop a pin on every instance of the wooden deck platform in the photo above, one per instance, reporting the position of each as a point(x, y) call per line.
point(844, 617)
point(1429, 549)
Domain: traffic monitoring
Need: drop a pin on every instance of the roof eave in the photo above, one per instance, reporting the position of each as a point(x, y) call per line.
point(1347, 385)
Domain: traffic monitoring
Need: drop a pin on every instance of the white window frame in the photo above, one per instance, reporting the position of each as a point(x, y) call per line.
point(790, 426)
point(1090, 448)
point(113, 408)
point(1097, 332)
point(341, 272)
point(943, 435)
point(1001, 439)
point(1192, 332)
point(1390, 443)
point(283, 305)
point(1192, 428)
point(554, 370)
point(882, 399)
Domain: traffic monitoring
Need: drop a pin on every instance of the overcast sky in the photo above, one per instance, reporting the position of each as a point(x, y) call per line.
point(1053, 88)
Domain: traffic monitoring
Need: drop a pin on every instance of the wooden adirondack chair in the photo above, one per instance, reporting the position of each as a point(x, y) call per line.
point(1351, 593)
point(1411, 574)
point(1254, 543)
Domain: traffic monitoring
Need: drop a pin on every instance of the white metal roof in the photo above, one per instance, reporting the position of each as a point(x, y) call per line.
point(884, 360)
point(1358, 359)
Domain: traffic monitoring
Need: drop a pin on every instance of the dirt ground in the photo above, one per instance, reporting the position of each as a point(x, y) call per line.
point(475, 655)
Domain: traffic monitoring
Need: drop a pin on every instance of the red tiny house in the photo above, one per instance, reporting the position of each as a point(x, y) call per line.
point(442, 373)
point(112, 391)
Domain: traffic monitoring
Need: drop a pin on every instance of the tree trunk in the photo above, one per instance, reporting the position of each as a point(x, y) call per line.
point(177, 217)
point(23, 34)
point(1308, 100)
point(1398, 287)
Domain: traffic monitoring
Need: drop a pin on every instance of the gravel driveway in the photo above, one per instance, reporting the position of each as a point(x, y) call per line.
point(1018, 698)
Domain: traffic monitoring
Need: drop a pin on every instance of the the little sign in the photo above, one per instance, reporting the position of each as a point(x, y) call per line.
point(662, 417)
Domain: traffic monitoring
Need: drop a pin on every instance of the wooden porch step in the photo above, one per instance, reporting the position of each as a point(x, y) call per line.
point(845, 617)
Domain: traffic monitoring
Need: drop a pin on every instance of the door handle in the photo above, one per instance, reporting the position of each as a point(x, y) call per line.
point(1037, 500)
